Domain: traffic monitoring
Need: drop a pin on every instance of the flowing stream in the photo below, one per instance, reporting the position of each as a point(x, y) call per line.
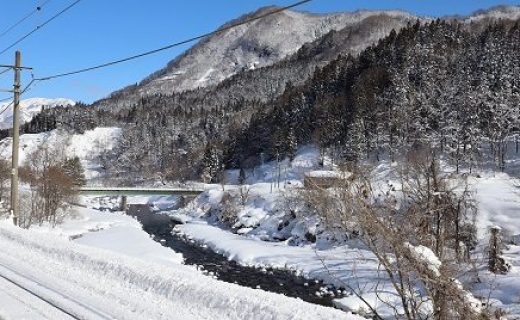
point(280, 281)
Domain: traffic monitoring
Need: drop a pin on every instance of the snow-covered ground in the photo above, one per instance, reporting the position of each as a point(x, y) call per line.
point(86, 146)
point(112, 231)
point(112, 271)
point(342, 266)
point(264, 235)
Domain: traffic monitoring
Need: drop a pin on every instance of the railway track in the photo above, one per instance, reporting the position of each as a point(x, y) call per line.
point(62, 304)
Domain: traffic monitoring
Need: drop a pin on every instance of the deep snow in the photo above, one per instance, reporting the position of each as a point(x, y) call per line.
point(130, 285)
point(254, 238)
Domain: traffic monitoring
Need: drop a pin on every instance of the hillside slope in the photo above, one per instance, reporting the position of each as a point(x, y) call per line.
point(29, 108)
point(254, 45)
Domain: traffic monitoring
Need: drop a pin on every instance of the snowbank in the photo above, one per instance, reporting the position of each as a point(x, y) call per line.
point(110, 283)
point(265, 216)
point(112, 231)
point(343, 266)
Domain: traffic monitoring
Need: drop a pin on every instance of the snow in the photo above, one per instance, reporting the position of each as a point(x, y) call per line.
point(379, 301)
point(29, 108)
point(340, 266)
point(258, 241)
point(250, 217)
point(497, 13)
point(323, 174)
point(116, 232)
point(230, 52)
point(425, 256)
point(498, 199)
point(157, 203)
point(92, 278)
point(206, 76)
point(16, 304)
point(87, 146)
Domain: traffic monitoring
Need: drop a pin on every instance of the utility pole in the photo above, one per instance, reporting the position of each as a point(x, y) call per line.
point(15, 203)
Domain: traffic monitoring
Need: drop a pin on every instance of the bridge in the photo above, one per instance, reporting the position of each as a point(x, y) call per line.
point(125, 192)
point(130, 191)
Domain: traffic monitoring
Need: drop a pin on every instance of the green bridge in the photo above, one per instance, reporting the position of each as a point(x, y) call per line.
point(125, 192)
point(130, 191)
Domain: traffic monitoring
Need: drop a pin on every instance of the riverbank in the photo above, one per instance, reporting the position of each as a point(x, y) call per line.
point(212, 263)
point(108, 281)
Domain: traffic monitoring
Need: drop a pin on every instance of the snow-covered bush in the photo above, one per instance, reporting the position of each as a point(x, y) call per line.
point(229, 209)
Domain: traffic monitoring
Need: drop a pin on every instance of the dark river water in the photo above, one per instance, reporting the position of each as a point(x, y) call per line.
point(280, 281)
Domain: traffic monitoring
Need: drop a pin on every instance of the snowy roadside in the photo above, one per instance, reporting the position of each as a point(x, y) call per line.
point(135, 288)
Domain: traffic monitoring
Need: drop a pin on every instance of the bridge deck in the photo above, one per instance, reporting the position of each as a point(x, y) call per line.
point(127, 191)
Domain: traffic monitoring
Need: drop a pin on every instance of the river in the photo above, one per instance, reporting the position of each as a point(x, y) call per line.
point(285, 282)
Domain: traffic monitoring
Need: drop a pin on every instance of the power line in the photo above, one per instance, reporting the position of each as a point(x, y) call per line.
point(147, 53)
point(4, 71)
point(27, 88)
point(41, 25)
point(27, 16)
point(35, 80)
point(6, 99)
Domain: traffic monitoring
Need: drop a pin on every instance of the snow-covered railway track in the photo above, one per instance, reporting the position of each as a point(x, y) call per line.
point(42, 299)
point(12, 292)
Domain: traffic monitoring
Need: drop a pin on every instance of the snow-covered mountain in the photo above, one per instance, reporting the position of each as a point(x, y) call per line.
point(29, 108)
point(274, 38)
point(495, 13)
point(257, 44)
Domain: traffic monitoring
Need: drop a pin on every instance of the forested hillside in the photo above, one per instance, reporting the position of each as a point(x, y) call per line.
point(452, 83)
point(438, 82)
point(183, 126)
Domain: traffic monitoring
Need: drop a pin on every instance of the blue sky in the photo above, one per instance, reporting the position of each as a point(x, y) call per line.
point(96, 31)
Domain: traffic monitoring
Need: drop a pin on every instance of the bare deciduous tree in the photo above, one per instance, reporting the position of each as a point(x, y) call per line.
point(5, 174)
point(415, 233)
point(53, 182)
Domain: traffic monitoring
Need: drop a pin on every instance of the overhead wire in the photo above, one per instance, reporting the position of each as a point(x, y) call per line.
point(27, 88)
point(4, 71)
point(27, 16)
point(147, 53)
point(6, 99)
point(39, 27)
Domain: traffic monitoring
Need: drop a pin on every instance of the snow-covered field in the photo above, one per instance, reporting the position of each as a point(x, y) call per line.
point(112, 272)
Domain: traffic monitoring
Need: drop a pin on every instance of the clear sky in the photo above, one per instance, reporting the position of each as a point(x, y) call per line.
point(96, 31)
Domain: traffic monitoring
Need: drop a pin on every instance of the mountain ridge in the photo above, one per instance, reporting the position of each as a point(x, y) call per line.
point(258, 44)
point(29, 108)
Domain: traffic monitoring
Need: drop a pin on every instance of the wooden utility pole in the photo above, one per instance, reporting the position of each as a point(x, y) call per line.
point(15, 203)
